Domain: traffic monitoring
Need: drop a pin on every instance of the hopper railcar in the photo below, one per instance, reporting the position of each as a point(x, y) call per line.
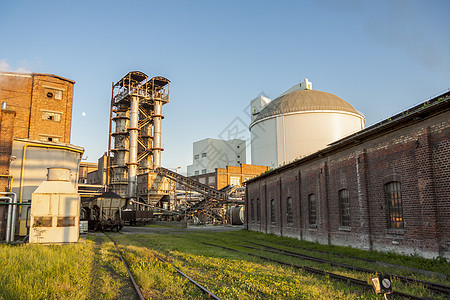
point(104, 212)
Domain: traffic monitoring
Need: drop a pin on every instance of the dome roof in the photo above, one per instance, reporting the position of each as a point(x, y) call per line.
point(305, 100)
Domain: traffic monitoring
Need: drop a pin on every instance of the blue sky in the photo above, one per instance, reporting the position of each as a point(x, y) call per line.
point(380, 56)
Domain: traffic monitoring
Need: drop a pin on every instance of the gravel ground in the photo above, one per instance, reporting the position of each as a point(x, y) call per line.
point(171, 230)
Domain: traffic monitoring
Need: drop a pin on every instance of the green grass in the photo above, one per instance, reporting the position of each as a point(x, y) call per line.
point(158, 280)
point(92, 270)
point(232, 275)
point(45, 272)
point(77, 271)
point(439, 265)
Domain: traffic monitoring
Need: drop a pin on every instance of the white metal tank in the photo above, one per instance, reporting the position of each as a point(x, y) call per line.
point(300, 122)
point(55, 209)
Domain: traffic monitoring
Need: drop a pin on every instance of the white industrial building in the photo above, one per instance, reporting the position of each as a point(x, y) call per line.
point(209, 154)
point(299, 122)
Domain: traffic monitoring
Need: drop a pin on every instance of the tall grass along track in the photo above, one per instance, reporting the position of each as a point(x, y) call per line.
point(433, 286)
point(208, 293)
point(135, 285)
point(346, 279)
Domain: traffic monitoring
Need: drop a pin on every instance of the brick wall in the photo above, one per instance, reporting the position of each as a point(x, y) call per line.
point(222, 177)
point(440, 161)
point(15, 89)
point(414, 151)
point(43, 103)
point(51, 108)
point(7, 118)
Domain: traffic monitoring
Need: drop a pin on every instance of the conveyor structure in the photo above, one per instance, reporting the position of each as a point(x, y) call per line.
point(214, 201)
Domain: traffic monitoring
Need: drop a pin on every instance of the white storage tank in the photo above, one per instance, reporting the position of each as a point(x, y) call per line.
point(300, 122)
point(55, 209)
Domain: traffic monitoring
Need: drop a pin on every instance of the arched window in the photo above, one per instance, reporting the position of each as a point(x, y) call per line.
point(258, 210)
point(252, 210)
point(289, 211)
point(312, 208)
point(344, 208)
point(394, 204)
point(272, 211)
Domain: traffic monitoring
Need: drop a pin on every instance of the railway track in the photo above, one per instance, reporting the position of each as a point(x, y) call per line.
point(130, 275)
point(326, 252)
point(138, 291)
point(380, 263)
point(432, 286)
point(334, 276)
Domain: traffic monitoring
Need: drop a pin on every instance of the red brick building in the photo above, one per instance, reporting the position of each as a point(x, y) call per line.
point(231, 175)
point(384, 188)
point(43, 105)
point(34, 106)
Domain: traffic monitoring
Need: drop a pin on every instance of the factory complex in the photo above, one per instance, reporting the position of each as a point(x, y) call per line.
point(316, 172)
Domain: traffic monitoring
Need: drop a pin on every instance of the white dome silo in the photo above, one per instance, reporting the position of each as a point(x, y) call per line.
point(299, 122)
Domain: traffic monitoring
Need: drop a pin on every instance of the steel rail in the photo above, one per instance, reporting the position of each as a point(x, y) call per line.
point(381, 263)
point(351, 280)
point(327, 252)
point(433, 286)
point(203, 289)
point(135, 285)
point(208, 293)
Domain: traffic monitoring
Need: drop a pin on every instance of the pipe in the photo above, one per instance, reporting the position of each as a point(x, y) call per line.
point(8, 218)
point(24, 152)
point(133, 146)
point(38, 146)
point(10, 221)
point(108, 163)
point(157, 135)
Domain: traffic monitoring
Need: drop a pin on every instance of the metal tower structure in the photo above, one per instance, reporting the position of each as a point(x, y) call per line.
point(135, 130)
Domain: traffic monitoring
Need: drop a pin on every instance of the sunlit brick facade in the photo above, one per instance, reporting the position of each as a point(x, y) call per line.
point(34, 106)
point(43, 105)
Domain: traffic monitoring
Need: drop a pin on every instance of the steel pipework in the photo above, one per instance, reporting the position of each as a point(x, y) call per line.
point(10, 222)
point(157, 135)
point(132, 161)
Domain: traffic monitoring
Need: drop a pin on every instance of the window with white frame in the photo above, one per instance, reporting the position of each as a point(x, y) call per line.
point(51, 116)
point(235, 180)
